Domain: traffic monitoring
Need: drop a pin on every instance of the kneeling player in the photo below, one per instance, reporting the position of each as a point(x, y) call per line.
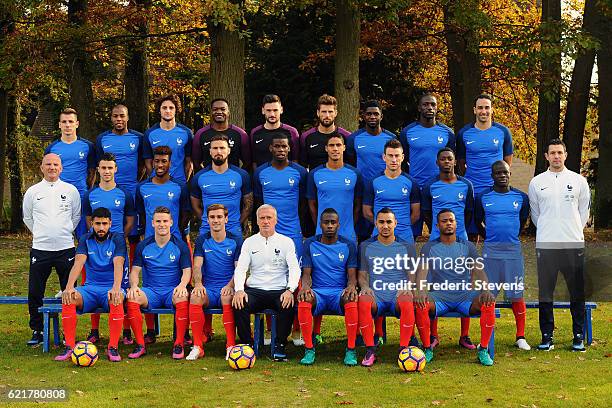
point(385, 272)
point(214, 258)
point(103, 253)
point(166, 270)
point(454, 262)
point(329, 284)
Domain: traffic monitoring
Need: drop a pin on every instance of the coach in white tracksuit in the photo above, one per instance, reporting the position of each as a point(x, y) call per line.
point(51, 210)
point(560, 201)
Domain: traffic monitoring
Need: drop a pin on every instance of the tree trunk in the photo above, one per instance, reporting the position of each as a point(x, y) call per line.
point(603, 187)
point(463, 59)
point(346, 75)
point(549, 104)
point(578, 98)
point(4, 101)
point(15, 163)
point(227, 69)
point(80, 74)
point(137, 70)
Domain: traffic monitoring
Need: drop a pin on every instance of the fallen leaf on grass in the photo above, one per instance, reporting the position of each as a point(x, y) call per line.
point(221, 378)
point(532, 358)
point(266, 372)
point(204, 368)
point(489, 399)
point(326, 369)
point(303, 390)
point(74, 372)
point(339, 393)
point(508, 354)
point(43, 380)
point(407, 380)
point(581, 358)
point(558, 357)
point(204, 378)
point(344, 403)
point(458, 395)
point(435, 402)
point(79, 392)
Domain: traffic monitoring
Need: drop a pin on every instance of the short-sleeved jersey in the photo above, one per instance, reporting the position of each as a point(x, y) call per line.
point(118, 200)
point(225, 188)
point(480, 149)
point(447, 263)
point(458, 197)
point(179, 139)
point(261, 139)
point(282, 189)
point(368, 151)
point(397, 194)
point(374, 259)
point(100, 256)
point(238, 142)
point(162, 267)
point(336, 189)
point(421, 145)
point(171, 194)
point(127, 149)
point(312, 146)
point(503, 214)
point(77, 158)
point(329, 262)
point(219, 258)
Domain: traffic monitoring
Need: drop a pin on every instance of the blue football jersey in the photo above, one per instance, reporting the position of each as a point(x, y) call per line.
point(77, 158)
point(127, 149)
point(219, 258)
point(118, 201)
point(179, 139)
point(171, 194)
point(368, 151)
point(100, 255)
point(329, 262)
point(162, 267)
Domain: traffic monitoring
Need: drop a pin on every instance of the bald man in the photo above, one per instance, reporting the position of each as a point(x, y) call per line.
point(51, 211)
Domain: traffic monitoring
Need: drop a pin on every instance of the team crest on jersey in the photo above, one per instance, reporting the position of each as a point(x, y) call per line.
point(179, 141)
point(440, 139)
point(495, 142)
point(291, 181)
point(109, 253)
point(228, 252)
point(460, 196)
point(515, 204)
point(172, 257)
point(347, 181)
point(81, 155)
point(117, 203)
point(341, 256)
point(132, 146)
point(232, 184)
point(570, 187)
point(231, 143)
point(33, 259)
point(404, 191)
point(170, 195)
point(63, 197)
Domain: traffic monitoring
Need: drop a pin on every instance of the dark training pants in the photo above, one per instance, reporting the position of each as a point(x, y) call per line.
point(41, 263)
point(258, 300)
point(570, 262)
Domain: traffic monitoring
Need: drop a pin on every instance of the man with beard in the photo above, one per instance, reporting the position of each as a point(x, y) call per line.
point(219, 125)
point(177, 137)
point(103, 252)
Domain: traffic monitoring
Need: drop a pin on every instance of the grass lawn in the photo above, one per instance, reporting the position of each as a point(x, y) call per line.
point(454, 378)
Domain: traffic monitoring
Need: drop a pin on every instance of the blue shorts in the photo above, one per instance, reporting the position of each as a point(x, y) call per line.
point(94, 296)
point(463, 308)
point(328, 300)
point(386, 309)
point(159, 298)
point(299, 248)
point(417, 227)
point(506, 271)
point(214, 297)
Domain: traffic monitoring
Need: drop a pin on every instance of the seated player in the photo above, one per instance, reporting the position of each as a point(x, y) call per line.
point(455, 262)
point(103, 253)
point(165, 263)
point(385, 283)
point(329, 284)
point(214, 259)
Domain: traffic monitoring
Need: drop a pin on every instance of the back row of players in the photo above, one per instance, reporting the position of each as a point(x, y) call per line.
point(223, 156)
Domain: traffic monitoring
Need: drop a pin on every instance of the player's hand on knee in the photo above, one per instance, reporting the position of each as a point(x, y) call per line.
point(366, 292)
point(239, 299)
point(406, 294)
point(181, 291)
point(114, 296)
point(350, 293)
point(198, 290)
point(68, 295)
point(133, 293)
point(286, 299)
point(486, 298)
point(421, 299)
point(305, 295)
point(227, 291)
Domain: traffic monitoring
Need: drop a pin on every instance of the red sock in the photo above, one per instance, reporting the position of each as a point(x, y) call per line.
point(487, 323)
point(520, 316)
point(351, 321)
point(366, 323)
point(465, 326)
point(132, 251)
point(126, 322)
point(69, 321)
point(208, 322)
point(150, 318)
point(115, 324)
point(95, 321)
point(406, 322)
point(316, 328)
point(378, 326)
point(181, 317)
point(268, 323)
point(304, 315)
point(423, 322)
point(135, 317)
point(434, 327)
point(229, 325)
point(196, 317)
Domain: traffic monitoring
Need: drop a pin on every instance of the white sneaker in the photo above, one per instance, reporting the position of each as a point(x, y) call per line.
point(58, 295)
point(523, 345)
point(298, 341)
point(195, 353)
point(267, 338)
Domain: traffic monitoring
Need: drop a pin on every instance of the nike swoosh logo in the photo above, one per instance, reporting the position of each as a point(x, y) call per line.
point(90, 253)
point(435, 196)
point(208, 250)
point(314, 145)
point(258, 141)
point(39, 198)
point(70, 259)
point(413, 138)
point(206, 143)
point(147, 195)
point(206, 185)
point(148, 257)
point(94, 202)
point(316, 254)
point(360, 147)
point(488, 205)
point(470, 142)
point(115, 319)
point(106, 147)
point(254, 252)
point(543, 188)
point(380, 191)
point(265, 183)
point(155, 142)
point(324, 181)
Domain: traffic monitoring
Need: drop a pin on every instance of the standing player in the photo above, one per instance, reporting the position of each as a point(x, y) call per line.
point(560, 200)
point(422, 140)
point(175, 136)
point(222, 183)
point(479, 145)
point(121, 206)
point(501, 213)
point(384, 286)
point(395, 190)
point(336, 185)
point(165, 263)
point(104, 254)
point(214, 259)
point(329, 284)
point(274, 274)
point(313, 141)
point(448, 190)
point(78, 158)
point(261, 136)
point(450, 258)
point(219, 125)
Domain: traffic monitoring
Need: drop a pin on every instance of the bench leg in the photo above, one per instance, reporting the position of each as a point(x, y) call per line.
point(56, 335)
point(588, 326)
point(273, 335)
point(157, 325)
point(257, 330)
point(492, 344)
point(46, 323)
point(384, 329)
